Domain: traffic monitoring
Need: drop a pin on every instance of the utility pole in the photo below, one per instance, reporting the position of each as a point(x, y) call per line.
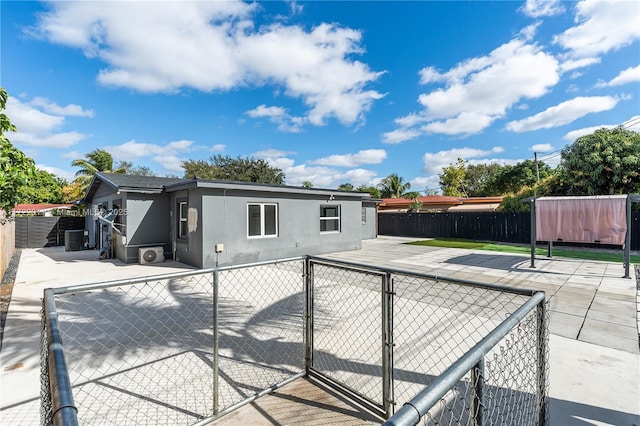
point(535, 157)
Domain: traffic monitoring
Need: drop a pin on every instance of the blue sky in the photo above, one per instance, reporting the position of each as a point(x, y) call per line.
point(330, 92)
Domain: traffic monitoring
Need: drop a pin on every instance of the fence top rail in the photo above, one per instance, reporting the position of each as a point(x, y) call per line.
point(412, 411)
point(384, 269)
point(150, 278)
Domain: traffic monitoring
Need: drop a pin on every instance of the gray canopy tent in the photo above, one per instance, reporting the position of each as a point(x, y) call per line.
point(600, 219)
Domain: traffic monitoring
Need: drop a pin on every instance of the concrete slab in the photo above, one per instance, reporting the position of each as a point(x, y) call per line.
point(592, 385)
point(589, 382)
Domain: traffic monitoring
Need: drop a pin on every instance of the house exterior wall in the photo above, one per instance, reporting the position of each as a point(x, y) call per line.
point(147, 223)
point(187, 250)
point(370, 224)
point(103, 196)
point(224, 221)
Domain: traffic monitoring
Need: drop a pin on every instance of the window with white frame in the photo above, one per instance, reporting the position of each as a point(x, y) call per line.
point(330, 218)
point(363, 214)
point(262, 220)
point(183, 219)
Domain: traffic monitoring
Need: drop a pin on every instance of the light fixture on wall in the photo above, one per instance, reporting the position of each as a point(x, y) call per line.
point(331, 197)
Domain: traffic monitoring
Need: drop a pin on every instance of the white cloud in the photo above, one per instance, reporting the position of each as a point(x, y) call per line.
point(563, 113)
point(542, 147)
point(39, 129)
point(541, 8)
point(422, 183)
point(574, 64)
point(630, 75)
point(479, 91)
point(632, 124)
point(279, 116)
point(218, 147)
point(68, 110)
point(320, 176)
point(601, 26)
point(400, 135)
point(145, 47)
point(465, 124)
point(367, 156)
point(64, 174)
point(168, 156)
point(435, 161)
point(171, 163)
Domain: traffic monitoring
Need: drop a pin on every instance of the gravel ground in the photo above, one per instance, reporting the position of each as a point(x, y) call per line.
point(6, 288)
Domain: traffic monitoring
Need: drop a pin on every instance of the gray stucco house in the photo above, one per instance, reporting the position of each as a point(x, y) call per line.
point(206, 222)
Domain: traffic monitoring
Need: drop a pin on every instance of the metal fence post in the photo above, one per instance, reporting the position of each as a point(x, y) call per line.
point(387, 344)
point(533, 232)
point(477, 379)
point(308, 316)
point(216, 334)
point(541, 373)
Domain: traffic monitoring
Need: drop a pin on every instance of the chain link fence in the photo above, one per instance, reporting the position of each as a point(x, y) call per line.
point(186, 348)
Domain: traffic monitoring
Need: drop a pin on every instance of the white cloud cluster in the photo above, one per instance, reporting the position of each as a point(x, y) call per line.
point(542, 147)
point(40, 123)
point(478, 91)
point(213, 46)
point(64, 174)
point(630, 75)
point(563, 113)
point(325, 174)
point(367, 156)
point(632, 124)
point(601, 26)
point(435, 161)
point(168, 156)
point(541, 8)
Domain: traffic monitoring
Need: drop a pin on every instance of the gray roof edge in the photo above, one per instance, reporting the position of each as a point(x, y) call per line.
point(264, 187)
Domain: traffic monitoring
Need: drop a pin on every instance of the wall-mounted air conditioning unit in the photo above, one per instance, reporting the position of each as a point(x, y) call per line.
point(151, 255)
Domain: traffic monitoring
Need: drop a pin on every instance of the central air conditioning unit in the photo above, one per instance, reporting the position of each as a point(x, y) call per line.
point(151, 255)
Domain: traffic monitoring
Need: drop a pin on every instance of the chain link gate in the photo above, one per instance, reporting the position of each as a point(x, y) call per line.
point(192, 347)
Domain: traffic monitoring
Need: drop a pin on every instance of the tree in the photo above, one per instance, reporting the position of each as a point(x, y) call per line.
point(478, 178)
point(452, 179)
point(240, 169)
point(307, 184)
point(372, 190)
point(346, 187)
point(512, 179)
point(73, 191)
point(130, 169)
point(97, 160)
point(16, 169)
point(605, 162)
point(393, 186)
point(43, 187)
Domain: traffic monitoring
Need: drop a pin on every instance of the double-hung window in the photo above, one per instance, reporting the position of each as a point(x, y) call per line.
point(262, 220)
point(183, 219)
point(330, 218)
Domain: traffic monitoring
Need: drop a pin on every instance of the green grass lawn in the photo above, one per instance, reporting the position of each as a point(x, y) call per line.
point(605, 256)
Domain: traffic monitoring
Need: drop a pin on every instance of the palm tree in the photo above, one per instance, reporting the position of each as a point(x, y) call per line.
point(393, 186)
point(97, 160)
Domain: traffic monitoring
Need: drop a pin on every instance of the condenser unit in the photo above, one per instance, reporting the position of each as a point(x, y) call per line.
point(151, 255)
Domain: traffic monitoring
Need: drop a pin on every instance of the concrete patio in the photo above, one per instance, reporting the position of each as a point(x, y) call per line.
point(594, 360)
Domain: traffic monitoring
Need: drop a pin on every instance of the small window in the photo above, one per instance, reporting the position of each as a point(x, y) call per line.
point(364, 215)
point(262, 220)
point(329, 218)
point(183, 222)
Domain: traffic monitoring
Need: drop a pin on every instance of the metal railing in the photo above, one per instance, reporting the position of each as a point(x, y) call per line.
point(188, 348)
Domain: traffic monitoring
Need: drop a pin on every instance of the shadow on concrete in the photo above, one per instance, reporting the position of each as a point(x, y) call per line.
point(502, 262)
point(568, 413)
point(59, 254)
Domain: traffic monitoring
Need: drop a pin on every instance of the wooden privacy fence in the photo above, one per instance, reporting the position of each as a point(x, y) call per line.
point(43, 231)
point(7, 241)
point(481, 226)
